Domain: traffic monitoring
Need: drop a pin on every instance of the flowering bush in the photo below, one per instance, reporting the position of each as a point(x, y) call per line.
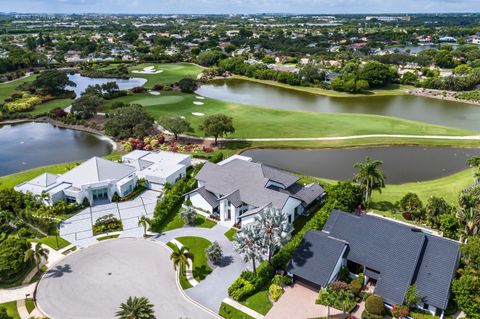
point(400, 311)
point(23, 104)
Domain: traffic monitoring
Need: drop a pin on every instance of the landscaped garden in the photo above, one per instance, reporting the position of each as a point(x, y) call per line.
point(197, 247)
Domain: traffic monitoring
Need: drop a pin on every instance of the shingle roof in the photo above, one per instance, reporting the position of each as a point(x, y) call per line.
point(44, 180)
point(279, 176)
point(209, 197)
point(307, 194)
point(316, 257)
point(95, 170)
point(402, 255)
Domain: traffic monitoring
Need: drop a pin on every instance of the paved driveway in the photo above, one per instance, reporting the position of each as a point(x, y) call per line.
point(298, 302)
point(94, 281)
point(78, 228)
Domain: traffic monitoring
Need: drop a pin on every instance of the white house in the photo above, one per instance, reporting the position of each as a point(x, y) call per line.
point(98, 179)
point(237, 189)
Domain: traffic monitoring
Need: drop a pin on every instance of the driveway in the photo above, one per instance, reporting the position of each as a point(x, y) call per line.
point(78, 228)
point(298, 302)
point(213, 289)
point(92, 282)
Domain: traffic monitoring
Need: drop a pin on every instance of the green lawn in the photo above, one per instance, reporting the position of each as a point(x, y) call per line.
point(172, 72)
point(6, 89)
point(11, 309)
point(258, 302)
point(197, 246)
point(182, 278)
point(229, 312)
point(230, 233)
point(174, 221)
point(50, 105)
point(254, 121)
point(387, 91)
point(30, 304)
point(51, 241)
point(107, 237)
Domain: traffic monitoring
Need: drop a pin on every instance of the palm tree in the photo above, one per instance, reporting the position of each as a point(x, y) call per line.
point(247, 243)
point(470, 219)
point(144, 221)
point(274, 228)
point(370, 176)
point(37, 253)
point(136, 308)
point(180, 257)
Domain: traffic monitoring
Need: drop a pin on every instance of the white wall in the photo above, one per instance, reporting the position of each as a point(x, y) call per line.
point(289, 207)
point(200, 202)
point(338, 266)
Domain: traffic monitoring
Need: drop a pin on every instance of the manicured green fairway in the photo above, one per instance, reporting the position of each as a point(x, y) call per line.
point(7, 89)
point(197, 246)
point(253, 121)
point(172, 72)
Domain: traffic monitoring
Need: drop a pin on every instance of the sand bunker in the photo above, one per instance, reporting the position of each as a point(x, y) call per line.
point(154, 93)
point(199, 97)
point(148, 70)
point(198, 114)
point(198, 103)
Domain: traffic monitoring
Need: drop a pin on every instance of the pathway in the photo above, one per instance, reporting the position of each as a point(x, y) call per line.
point(243, 308)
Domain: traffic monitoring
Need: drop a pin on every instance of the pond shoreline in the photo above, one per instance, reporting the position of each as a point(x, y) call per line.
point(441, 95)
point(116, 145)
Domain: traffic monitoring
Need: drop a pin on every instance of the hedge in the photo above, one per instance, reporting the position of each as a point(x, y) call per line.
point(265, 272)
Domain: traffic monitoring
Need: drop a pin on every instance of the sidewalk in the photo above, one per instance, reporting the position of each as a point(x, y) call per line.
point(242, 308)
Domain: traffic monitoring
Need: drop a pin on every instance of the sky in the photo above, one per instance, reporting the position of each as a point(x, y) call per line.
point(239, 6)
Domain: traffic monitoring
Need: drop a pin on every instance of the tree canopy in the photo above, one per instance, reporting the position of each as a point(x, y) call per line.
point(129, 121)
point(53, 82)
point(217, 125)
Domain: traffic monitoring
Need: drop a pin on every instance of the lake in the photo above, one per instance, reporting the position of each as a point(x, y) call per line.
point(447, 113)
point(83, 82)
point(401, 164)
point(29, 145)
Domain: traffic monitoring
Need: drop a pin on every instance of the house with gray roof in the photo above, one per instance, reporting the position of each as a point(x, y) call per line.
point(237, 189)
point(392, 255)
point(98, 179)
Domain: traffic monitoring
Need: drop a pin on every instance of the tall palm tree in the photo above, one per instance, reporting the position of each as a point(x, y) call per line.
point(247, 243)
point(144, 221)
point(370, 176)
point(180, 257)
point(275, 229)
point(37, 253)
point(136, 308)
point(470, 219)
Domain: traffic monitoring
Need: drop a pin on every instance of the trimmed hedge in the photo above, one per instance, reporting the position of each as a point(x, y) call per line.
point(239, 290)
point(375, 305)
point(275, 291)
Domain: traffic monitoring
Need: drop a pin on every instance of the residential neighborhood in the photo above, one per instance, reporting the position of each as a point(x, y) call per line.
point(229, 159)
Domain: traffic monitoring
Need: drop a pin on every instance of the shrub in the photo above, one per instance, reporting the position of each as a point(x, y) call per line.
point(106, 224)
point(275, 291)
point(216, 157)
point(400, 311)
point(57, 112)
point(23, 104)
point(375, 305)
point(188, 215)
point(338, 285)
point(282, 280)
point(214, 253)
point(158, 87)
point(367, 315)
point(138, 89)
point(241, 289)
point(356, 286)
point(115, 197)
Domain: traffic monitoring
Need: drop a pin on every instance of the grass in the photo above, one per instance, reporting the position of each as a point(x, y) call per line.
point(197, 246)
point(174, 221)
point(259, 302)
point(107, 237)
point(51, 241)
point(50, 105)
point(230, 233)
point(387, 91)
point(172, 72)
point(229, 312)
point(7, 89)
point(11, 309)
point(253, 121)
point(30, 304)
point(182, 278)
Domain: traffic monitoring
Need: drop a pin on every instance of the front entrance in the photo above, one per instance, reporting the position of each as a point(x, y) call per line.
point(99, 194)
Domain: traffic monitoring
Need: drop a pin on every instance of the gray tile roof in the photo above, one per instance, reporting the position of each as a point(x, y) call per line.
point(44, 180)
point(279, 176)
point(402, 255)
point(307, 194)
point(316, 257)
point(209, 197)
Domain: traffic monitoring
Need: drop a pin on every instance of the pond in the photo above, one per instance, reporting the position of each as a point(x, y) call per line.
point(447, 113)
point(401, 164)
point(29, 145)
point(83, 82)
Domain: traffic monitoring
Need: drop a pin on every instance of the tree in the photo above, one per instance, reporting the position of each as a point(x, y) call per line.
point(217, 125)
point(449, 226)
point(375, 305)
point(435, 208)
point(411, 205)
point(347, 196)
point(214, 253)
point(247, 243)
point(471, 253)
point(275, 229)
point(53, 82)
point(86, 106)
point(129, 121)
point(188, 215)
point(175, 124)
point(136, 308)
point(37, 253)
point(466, 290)
point(344, 297)
point(209, 58)
point(470, 219)
point(412, 297)
point(378, 74)
point(180, 258)
point(474, 161)
point(369, 176)
point(187, 85)
point(328, 299)
point(311, 74)
point(4, 314)
point(12, 257)
point(144, 221)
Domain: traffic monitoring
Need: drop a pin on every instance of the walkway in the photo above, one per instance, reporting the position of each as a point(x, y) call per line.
point(211, 291)
point(243, 308)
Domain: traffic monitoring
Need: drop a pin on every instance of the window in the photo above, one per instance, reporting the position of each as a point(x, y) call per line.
point(425, 306)
point(289, 219)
